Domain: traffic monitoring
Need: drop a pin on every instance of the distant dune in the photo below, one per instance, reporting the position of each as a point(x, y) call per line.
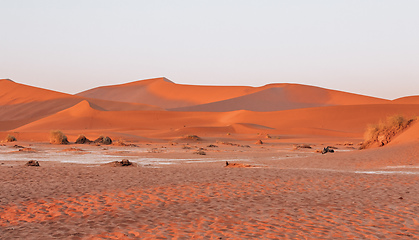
point(166, 94)
point(407, 100)
point(272, 97)
point(22, 104)
point(285, 97)
point(139, 109)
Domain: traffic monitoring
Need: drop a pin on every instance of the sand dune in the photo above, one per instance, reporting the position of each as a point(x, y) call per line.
point(166, 94)
point(407, 100)
point(173, 192)
point(305, 110)
point(272, 97)
point(340, 121)
point(411, 134)
point(21, 104)
point(278, 97)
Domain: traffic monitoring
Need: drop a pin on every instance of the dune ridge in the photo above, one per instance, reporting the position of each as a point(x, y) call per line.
point(271, 97)
point(281, 109)
point(21, 104)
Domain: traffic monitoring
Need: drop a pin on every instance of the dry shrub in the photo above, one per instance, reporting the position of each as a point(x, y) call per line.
point(381, 134)
point(103, 140)
point(192, 137)
point(298, 146)
point(10, 138)
point(200, 152)
point(82, 139)
point(58, 137)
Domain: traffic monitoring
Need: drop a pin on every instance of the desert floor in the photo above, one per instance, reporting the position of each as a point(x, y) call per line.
point(172, 193)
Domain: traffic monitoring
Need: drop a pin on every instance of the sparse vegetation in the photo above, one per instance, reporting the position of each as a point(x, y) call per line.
point(192, 137)
point(82, 139)
point(58, 137)
point(10, 138)
point(301, 146)
point(154, 150)
point(103, 140)
point(200, 152)
point(382, 133)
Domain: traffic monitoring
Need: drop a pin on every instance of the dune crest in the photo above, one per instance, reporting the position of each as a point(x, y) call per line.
point(271, 97)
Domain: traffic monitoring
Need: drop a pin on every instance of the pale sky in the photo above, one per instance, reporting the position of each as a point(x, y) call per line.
point(369, 47)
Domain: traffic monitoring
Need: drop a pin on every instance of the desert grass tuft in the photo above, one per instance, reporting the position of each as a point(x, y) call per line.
point(382, 133)
point(10, 138)
point(58, 137)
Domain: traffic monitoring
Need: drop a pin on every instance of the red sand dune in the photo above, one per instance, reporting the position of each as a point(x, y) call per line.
point(30, 109)
point(21, 104)
point(289, 195)
point(409, 135)
point(278, 97)
point(407, 100)
point(341, 121)
point(166, 94)
point(272, 97)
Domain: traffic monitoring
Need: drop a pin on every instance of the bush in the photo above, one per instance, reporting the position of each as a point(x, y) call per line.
point(58, 137)
point(103, 140)
point(82, 140)
point(10, 138)
point(192, 137)
point(381, 134)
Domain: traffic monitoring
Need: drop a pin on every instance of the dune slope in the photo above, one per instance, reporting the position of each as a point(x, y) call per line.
point(21, 104)
point(341, 121)
point(166, 94)
point(272, 97)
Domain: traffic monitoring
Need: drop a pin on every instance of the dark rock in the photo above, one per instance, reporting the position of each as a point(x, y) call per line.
point(327, 150)
point(32, 163)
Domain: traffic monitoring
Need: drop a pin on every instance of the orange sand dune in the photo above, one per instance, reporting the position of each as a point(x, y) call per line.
point(166, 94)
point(83, 116)
point(271, 97)
point(409, 135)
point(278, 97)
point(338, 121)
point(407, 100)
point(21, 104)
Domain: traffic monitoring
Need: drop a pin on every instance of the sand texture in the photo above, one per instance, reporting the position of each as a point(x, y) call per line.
point(277, 185)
